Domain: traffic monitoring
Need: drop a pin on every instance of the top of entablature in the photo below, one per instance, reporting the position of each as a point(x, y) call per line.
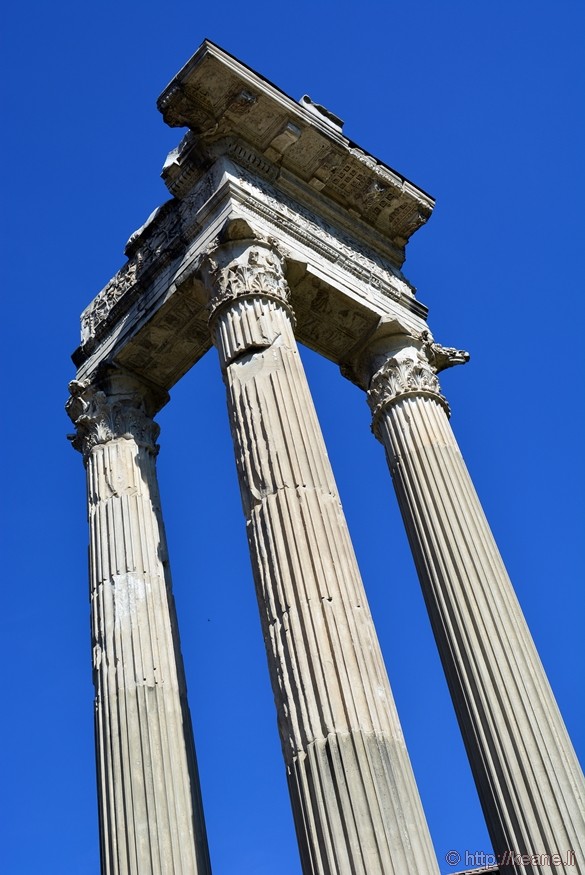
point(225, 104)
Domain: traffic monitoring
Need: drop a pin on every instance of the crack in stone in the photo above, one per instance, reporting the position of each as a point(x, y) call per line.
point(251, 352)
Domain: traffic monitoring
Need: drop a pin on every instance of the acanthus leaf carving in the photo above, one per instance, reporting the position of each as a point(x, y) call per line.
point(100, 418)
point(240, 270)
point(402, 375)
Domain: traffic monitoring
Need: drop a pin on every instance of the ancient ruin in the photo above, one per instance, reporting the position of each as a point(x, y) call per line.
point(280, 230)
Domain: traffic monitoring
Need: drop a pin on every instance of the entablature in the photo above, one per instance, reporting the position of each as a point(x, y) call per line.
point(152, 316)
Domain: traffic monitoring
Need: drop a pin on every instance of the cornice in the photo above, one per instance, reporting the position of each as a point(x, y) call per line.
point(218, 97)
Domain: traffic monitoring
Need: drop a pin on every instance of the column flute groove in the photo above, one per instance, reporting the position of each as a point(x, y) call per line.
point(353, 793)
point(529, 781)
point(151, 818)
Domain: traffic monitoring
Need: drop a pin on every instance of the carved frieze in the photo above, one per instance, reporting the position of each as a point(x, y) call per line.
point(100, 418)
point(331, 243)
point(155, 243)
point(102, 304)
point(171, 229)
point(164, 236)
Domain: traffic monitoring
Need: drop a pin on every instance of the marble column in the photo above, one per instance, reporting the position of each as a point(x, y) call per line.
point(354, 797)
point(151, 818)
point(527, 774)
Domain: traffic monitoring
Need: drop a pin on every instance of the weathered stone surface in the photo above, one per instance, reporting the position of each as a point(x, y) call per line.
point(256, 167)
point(151, 316)
point(151, 819)
point(228, 107)
point(529, 781)
point(342, 219)
point(354, 797)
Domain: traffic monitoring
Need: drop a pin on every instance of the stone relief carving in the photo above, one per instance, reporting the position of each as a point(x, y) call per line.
point(99, 418)
point(246, 157)
point(101, 305)
point(172, 225)
point(154, 243)
point(167, 230)
point(442, 357)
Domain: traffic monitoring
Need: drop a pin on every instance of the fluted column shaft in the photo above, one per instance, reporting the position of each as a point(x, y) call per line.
point(354, 797)
point(151, 820)
point(527, 774)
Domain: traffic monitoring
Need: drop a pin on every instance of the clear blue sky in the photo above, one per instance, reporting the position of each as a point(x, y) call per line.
point(481, 104)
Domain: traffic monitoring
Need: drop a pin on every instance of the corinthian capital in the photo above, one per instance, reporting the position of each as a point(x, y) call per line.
point(407, 373)
point(105, 412)
point(242, 269)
